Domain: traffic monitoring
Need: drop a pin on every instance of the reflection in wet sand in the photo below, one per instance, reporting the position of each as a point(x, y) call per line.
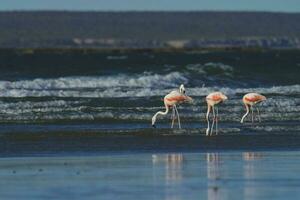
point(252, 156)
point(250, 172)
point(173, 173)
point(223, 174)
point(173, 164)
point(249, 166)
point(213, 174)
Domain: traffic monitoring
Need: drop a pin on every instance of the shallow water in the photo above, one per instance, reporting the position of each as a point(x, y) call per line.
point(77, 126)
point(97, 91)
point(217, 175)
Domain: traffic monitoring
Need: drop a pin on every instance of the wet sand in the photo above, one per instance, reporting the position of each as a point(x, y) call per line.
point(223, 175)
point(155, 165)
point(151, 141)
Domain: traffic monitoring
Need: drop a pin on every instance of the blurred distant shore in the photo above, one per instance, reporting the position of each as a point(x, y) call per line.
point(149, 30)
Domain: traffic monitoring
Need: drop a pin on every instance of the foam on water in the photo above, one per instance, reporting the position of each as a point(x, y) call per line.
point(145, 79)
point(144, 85)
point(211, 68)
point(283, 102)
point(134, 98)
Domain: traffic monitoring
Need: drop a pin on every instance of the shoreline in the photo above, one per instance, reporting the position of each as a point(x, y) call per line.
point(82, 143)
point(86, 50)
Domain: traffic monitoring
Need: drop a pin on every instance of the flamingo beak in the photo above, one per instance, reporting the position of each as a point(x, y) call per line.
point(190, 100)
point(264, 98)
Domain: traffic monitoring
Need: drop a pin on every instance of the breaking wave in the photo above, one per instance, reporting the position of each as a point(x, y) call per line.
point(125, 92)
point(144, 85)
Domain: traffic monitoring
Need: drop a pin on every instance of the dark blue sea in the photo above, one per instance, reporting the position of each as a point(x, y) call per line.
point(51, 91)
point(77, 124)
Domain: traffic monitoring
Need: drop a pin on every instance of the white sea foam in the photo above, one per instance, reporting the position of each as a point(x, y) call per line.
point(139, 85)
point(211, 68)
point(283, 102)
point(121, 80)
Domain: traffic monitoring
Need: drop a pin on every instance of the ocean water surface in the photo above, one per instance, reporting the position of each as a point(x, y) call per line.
point(77, 125)
point(96, 91)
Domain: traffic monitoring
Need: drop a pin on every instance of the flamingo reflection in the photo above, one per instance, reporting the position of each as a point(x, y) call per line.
point(213, 174)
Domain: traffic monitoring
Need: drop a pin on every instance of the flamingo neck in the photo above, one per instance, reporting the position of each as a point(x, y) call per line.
point(247, 112)
point(207, 118)
point(160, 113)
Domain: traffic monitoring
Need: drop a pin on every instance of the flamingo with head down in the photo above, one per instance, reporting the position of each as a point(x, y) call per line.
point(250, 100)
point(212, 100)
point(171, 100)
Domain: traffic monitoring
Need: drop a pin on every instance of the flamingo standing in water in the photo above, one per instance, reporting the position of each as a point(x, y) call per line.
point(250, 100)
point(212, 100)
point(171, 100)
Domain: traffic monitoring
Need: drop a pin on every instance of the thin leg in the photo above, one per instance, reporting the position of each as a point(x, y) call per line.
point(217, 116)
point(252, 115)
point(178, 118)
point(207, 119)
point(213, 123)
point(173, 117)
point(258, 114)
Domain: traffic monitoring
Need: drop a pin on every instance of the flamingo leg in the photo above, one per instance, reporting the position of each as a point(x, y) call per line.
point(217, 115)
point(258, 114)
point(207, 119)
point(178, 118)
point(252, 115)
point(214, 118)
point(173, 117)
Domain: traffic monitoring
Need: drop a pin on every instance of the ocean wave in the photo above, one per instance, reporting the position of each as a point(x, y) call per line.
point(117, 92)
point(188, 113)
point(113, 57)
point(130, 99)
point(146, 79)
point(211, 69)
point(144, 85)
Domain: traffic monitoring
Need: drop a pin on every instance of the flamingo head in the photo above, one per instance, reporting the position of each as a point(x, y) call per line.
point(263, 98)
point(182, 89)
point(223, 97)
point(153, 121)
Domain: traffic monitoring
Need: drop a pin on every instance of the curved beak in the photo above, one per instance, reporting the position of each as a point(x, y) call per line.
point(189, 99)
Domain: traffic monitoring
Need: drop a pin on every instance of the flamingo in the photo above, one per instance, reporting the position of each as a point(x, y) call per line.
point(250, 100)
point(212, 100)
point(171, 100)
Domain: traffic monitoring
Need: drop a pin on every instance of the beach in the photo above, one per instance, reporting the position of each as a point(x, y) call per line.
point(214, 175)
point(76, 124)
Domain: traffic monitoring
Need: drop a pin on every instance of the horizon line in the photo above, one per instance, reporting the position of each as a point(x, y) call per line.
point(153, 11)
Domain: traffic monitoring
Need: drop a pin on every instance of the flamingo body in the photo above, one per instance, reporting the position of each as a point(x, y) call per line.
point(215, 98)
point(253, 98)
point(171, 100)
point(176, 97)
point(212, 100)
point(250, 100)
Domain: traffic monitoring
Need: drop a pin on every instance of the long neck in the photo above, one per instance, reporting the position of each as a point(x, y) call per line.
point(160, 113)
point(207, 118)
point(247, 112)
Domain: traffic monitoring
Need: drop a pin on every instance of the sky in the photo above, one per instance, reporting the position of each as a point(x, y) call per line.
point(157, 5)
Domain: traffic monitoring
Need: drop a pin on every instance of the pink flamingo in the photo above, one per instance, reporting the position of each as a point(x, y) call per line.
point(171, 100)
point(250, 100)
point(212, 100)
